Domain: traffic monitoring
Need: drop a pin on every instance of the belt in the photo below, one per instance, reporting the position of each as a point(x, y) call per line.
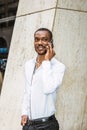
point(40, 120)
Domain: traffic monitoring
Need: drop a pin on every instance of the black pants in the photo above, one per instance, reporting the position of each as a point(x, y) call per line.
point(48, 125)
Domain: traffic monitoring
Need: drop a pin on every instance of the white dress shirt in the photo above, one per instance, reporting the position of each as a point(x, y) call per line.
point(41, 87)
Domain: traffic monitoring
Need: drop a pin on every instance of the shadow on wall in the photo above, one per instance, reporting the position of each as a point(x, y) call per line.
point(3, 59)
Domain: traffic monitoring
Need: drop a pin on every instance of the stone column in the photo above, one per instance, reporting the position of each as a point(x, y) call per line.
point(70, 39)
point(67, 20)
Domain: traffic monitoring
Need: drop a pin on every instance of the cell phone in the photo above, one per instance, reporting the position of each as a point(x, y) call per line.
point(52, 43)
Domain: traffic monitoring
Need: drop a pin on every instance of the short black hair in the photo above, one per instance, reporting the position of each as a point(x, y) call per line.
point(45, 29)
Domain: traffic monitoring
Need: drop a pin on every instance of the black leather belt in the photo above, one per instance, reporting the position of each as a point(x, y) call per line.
point(41, 120)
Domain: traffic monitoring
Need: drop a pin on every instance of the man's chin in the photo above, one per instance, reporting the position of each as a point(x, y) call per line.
point(42, 53)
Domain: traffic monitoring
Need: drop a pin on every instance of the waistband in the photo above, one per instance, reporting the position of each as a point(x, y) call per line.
point(40, 120)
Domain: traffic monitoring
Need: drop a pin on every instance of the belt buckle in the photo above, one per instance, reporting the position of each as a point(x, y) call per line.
point(43, 120)
point(30, 122)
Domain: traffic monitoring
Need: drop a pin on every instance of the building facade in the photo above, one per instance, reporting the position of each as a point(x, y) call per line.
point(8, 10)
point(68, 21)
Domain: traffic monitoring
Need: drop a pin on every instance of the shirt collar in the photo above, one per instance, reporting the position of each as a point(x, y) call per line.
point(34, 60)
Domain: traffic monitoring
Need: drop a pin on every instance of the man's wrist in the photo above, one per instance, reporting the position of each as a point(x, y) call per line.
point(46, 60)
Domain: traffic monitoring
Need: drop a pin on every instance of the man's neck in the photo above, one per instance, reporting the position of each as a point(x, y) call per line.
point(40, 58)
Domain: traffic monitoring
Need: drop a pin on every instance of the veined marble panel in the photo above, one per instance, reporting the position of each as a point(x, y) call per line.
point(31, 6)
point(21, 49)
point(70, 41)
point(80, 5)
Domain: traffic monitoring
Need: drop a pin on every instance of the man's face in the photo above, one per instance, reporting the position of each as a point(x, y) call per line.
point(41, 40)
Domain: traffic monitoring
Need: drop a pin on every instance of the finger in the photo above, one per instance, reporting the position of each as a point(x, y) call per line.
point(47, 46)
point(48, 49)
point(50, 46)
point(54, 53)
point(22, 123)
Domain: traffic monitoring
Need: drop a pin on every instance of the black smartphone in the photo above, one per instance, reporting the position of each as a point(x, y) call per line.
point(52, 43)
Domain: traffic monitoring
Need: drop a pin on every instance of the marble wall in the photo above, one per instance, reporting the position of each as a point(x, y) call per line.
point(71, 48)
point(67, 20)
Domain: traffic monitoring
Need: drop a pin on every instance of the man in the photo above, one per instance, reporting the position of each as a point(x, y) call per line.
point(43, 76)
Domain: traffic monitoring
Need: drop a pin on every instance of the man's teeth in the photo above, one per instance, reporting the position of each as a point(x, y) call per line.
point(40, 47)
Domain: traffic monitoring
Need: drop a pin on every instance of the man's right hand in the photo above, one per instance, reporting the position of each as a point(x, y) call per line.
point(50, 52)
point(24, 119)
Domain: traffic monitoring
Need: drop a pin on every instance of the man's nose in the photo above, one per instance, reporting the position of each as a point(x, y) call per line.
point(40, 42)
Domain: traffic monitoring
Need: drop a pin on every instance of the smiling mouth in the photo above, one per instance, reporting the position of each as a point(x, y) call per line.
point(40, 47)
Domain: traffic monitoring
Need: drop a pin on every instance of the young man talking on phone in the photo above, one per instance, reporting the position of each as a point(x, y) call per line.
point(43, 76)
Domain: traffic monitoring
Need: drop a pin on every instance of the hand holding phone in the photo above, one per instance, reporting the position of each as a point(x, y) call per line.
point(50, 51)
